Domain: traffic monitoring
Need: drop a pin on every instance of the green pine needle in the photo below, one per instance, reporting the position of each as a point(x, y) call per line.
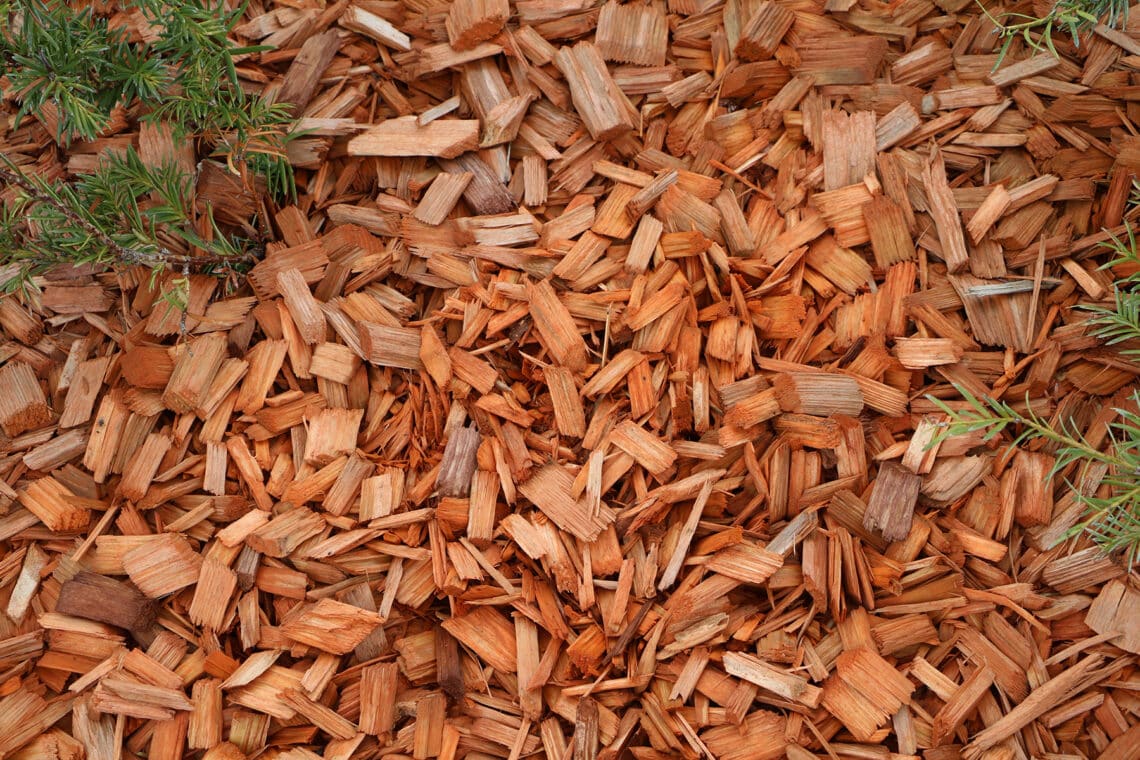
point(1113, 522)
point(1067, 16)
point(68, 66)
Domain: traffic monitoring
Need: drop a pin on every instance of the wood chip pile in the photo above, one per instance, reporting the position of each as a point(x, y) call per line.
point(578, 407)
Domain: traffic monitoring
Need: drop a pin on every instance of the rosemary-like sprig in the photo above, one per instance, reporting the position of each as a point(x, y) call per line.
point(70, 66)
point(1112, 521)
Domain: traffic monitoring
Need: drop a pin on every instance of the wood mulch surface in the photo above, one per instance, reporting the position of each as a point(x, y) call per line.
point(579, 406)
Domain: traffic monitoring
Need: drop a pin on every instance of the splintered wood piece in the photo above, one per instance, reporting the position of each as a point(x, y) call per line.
point(434, 356)
point(841, 60)
point(746, 562)
point(810, 227)
point(528, 657)
point(57, 452)
point(205, 724)
point(945, 212)
point(1028, 486)
point(586, 252)
point(265, 361)
point(758, 734)
point(764, 31)
point(1043, 698)
point(891, 508)
point(329, 625)
point(18, 323)
point(249, 471)
point(602, 106)
point(459, 462)
point(550, 489)
point(1114, 611)
point(644, 244)
point(470, 22)
point(24, 715)
point(920, 353)
point(285, 532)
point(441, 196)
point(123, 696)
point(162, 565)
point(502, 122)
point(482, 507)
point(737, 234)
point(427, 735)
point(644, 198)
point(986, 215)
point(535, 180)
point(556, 326)
point(818, 393)
point(864, 691)
point(335, 362)
point(896, 126)
point(303, 308)
point(387, 346)
point(378, 685)
point(26, 583)
point(486, 193)
point(472, 370)
point(142, 468)
point(404, 136)
point(55, 506)
point(81, 394)
point(106, 600)
point(688, 530)
point(332, 434)
point(564, 396)
point(848, 147)
point(633, 33)
point(193, 372)
point(1079, 570)
point(304, 74)
point(327, 720)
point(646, 449)
point(23, 405)
point(754, 409)
point(361, 21)
point(381, 495)
point(586, 729)
point(786, 685)
point(1018, 70)
point(963, 702)
point(887, 228)
point(1124, 746)
point(487, 633)
point(212, 595)
point(996, 320)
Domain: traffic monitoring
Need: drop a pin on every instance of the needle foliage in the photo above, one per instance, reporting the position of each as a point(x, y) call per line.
point(1112, 520)
point(1071, 17)
point(73, 67)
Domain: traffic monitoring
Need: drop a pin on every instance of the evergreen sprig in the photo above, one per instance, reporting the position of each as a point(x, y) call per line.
point(1113, 522)
point(118, 214)
point(1120, 322)
point(1067, 16)
point(71, 65)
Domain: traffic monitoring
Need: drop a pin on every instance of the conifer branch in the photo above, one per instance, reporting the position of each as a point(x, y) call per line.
point(72, 67)
point(162, 257)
